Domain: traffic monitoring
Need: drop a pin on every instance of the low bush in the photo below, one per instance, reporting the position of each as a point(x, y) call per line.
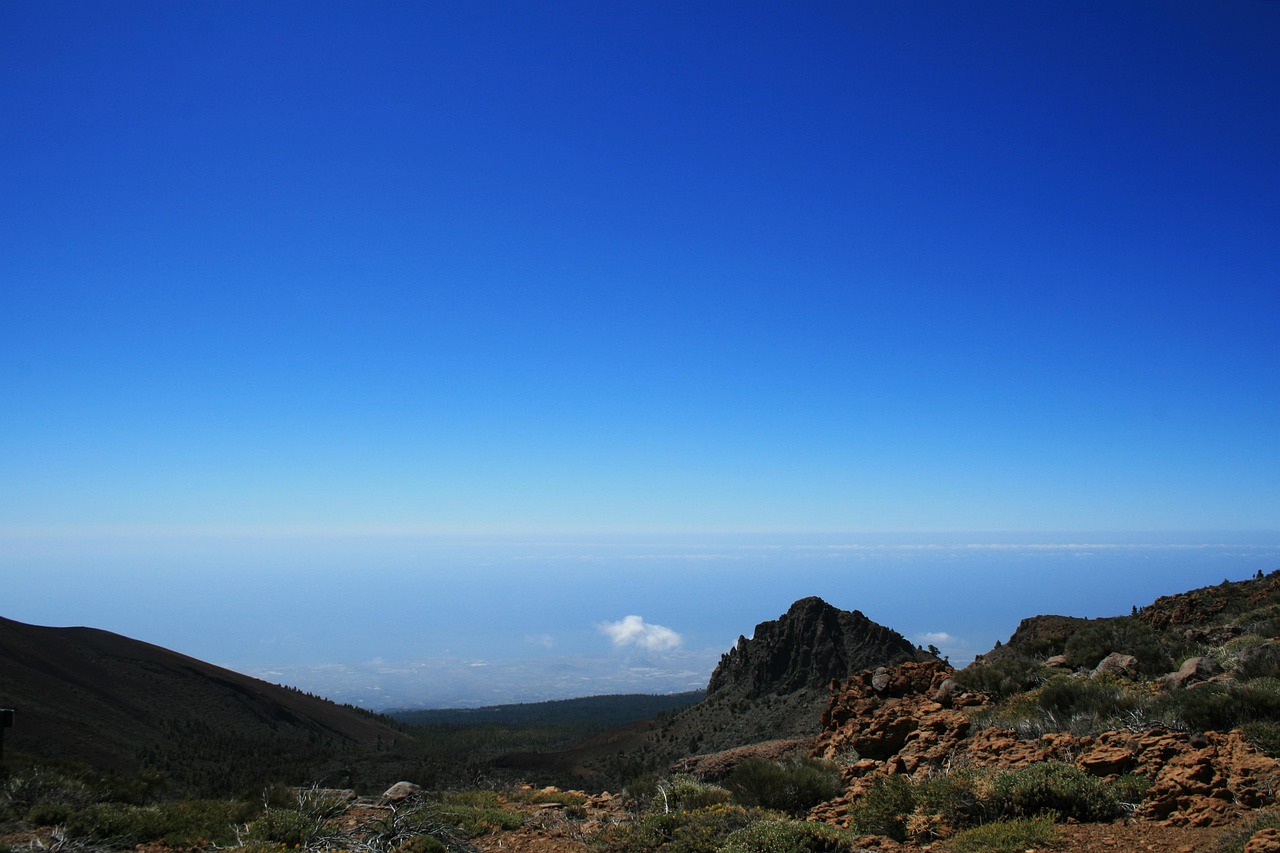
point(793, 788)
point(1125, 634)
point(49, 814)
point(1052, 787)
point(704, 830)
point(1234, 839)
point(185, 823)
point(475, 821)
point(884, 808)
point(1221, 707)
point(1264, 735)
point(289, 827)
point(1005, 836)
point(674, 793)
point(1004, 677)
point(790, 836)
point(42, 786)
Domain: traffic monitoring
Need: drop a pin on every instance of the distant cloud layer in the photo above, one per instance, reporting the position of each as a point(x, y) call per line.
point(634, 631)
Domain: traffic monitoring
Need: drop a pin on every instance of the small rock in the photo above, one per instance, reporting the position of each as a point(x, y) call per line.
point(400, 792)
point(1125, 666)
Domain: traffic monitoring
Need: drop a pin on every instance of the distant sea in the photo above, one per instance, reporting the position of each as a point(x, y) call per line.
point(419, 621)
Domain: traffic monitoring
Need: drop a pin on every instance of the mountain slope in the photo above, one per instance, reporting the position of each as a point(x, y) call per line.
point(115, 703)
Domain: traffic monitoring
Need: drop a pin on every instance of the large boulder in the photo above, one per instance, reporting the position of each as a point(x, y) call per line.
point(1258, 661)
point(1193, 670)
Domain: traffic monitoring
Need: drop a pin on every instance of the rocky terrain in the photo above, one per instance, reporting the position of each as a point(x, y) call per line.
point(1157, 730)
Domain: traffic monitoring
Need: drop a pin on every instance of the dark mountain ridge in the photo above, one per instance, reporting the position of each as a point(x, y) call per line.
point(119, 704)
point(806, 648)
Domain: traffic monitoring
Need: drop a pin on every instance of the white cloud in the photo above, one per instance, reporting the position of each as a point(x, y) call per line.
point(634, 631)
point(936, 638)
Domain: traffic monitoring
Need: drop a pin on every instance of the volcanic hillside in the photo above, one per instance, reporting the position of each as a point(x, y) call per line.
point(118, 704)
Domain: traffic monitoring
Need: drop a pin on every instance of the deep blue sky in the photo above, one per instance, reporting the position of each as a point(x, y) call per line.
point(659, 268)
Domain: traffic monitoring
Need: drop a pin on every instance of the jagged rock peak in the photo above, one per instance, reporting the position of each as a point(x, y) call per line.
point(808, 647)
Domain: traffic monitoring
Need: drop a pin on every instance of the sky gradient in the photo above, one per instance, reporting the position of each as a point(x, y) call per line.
point(284, 272)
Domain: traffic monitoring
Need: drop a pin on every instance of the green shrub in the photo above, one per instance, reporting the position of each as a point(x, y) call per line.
point(1125, 634)
point(183, 823)
point(49, 814)
point(41, 786)
point(289, 827)
point(681, 792)
point(422, 844)
point(1100, 698)
point(703, 830)
point(1005, 836)
point(789, 836)
point(1052, 787)
point(946, 802)
point(793, 788)
point(1004, 677)
point(1264, 735)
point(884, 808)
point(1130, 789)
point(475, 821)
point(1222, 707)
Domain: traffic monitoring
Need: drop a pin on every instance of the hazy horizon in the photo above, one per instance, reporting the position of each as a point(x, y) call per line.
point(409, 621)
point(563, 342)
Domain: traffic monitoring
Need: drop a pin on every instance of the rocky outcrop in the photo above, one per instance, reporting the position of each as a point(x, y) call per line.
point(810, 646)
point(775, 685)
point(911, 719)
point(897, 720)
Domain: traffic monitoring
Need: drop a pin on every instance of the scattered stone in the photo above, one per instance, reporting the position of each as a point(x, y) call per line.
point(401, 792)
point(1122, 665)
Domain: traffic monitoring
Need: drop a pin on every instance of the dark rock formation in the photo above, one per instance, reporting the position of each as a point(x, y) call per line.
point(810, 646)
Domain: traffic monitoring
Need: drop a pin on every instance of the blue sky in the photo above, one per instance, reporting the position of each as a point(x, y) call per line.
point(292, 271)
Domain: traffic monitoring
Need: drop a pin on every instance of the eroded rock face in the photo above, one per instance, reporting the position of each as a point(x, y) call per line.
point(1210, 781)
point(1263, 841)
point(808, 647)
point(905, 717)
